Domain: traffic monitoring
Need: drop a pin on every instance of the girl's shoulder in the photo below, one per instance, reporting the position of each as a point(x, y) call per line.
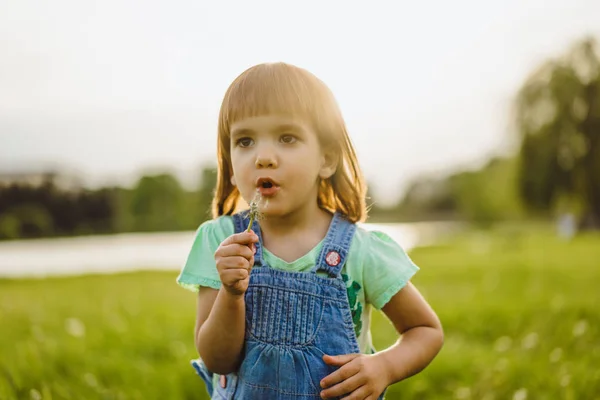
point(372, 241)
point(216, 229)
point(380, 263)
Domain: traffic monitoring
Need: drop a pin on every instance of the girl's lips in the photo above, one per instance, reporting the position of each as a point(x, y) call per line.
point(265, 180)
point(268, 192)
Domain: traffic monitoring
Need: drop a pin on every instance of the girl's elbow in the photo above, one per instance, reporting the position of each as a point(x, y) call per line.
point(218, 368)
point(438, 336)
point(434, 332)
point(215, 364)
point(221, 366)
point(436, 324)
point(441, 337)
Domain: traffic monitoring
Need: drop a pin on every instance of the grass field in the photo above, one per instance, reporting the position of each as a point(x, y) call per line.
point(520, 311)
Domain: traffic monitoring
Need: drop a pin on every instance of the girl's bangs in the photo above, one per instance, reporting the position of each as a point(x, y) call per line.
point(274, 89)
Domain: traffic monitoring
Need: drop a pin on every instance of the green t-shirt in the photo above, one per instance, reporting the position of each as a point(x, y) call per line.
point(375, 270)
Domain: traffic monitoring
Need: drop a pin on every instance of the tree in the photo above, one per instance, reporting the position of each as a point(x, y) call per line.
point(208, 182)
point(487, 195)
point(558, 122)
point(157, 203)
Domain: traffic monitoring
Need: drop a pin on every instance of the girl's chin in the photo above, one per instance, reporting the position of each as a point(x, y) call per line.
point(271, 208)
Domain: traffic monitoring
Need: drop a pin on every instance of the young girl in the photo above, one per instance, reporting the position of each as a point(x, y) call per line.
point(284, 300)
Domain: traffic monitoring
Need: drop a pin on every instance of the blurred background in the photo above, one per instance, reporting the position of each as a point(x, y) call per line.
point(477, 125)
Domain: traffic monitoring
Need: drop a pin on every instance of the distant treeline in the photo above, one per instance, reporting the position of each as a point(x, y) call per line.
point(155, 203)
point(161, 203)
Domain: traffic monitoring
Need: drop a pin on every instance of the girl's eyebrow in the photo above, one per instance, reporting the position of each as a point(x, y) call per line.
point(289, 128)
point(241, 132)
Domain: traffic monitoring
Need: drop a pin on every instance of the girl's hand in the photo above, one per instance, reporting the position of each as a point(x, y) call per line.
point(235, 258)
point(359, 377)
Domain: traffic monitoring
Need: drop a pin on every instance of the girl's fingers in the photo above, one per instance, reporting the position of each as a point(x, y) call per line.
point(234, 262)
point(347, 370)
point(241, 238)
point(362, 393)
point(232, 250)
point(340, 360)
point(347, 386)
point(231, 276)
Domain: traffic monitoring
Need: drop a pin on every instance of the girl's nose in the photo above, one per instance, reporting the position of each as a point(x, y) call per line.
point(266, 161)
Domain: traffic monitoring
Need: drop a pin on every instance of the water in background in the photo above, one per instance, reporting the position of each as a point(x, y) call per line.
point(135, 251)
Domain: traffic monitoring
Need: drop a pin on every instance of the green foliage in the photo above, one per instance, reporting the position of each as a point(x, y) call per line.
point(10, 226)
point(518, 306)
point(156, 203)
point(208, 183)
point(483, 196)
point(488, 195)
point(25, 220)
point(28, 211)
point(558, 121)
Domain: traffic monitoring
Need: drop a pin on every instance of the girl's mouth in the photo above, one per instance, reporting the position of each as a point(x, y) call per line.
point(267, 187)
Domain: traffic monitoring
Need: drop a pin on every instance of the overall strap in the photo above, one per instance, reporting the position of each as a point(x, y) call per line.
point(240, 224)
point(335, 248)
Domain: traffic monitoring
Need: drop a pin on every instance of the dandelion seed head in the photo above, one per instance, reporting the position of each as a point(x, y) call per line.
point(462, 393)
point(74, 327)
point(502, 344)
point(530, 341)
point(520, 394)
point(580, 327)
point(254, 212)
point(35, 394)
point(556, 355)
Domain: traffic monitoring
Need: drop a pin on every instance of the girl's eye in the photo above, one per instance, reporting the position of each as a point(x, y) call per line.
point(244, 142)
point(288, 139)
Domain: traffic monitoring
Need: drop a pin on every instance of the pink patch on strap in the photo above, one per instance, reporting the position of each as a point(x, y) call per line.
point(333, 258)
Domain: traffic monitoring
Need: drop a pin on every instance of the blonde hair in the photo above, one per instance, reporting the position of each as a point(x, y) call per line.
point(280, 88)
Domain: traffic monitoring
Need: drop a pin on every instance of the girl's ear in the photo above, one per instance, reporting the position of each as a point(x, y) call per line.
point(232, 180)
point(329, 164)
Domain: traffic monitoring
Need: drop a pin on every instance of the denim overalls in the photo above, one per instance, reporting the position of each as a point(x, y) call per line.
point(292, 320)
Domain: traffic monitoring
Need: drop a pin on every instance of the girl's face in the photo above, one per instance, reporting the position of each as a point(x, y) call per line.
point(281, 158)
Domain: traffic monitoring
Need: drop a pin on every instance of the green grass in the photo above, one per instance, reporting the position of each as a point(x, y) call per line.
point(519, 309)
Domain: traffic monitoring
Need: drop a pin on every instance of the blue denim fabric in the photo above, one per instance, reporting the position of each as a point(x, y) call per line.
point(292, 320)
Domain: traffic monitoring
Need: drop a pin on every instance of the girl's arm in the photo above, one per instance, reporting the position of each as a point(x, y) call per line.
point(221, 319)
point(219, 331)
point(421, 330)
point(361, 376)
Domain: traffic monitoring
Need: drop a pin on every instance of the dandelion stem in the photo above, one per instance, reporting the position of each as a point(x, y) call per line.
point(250, 224)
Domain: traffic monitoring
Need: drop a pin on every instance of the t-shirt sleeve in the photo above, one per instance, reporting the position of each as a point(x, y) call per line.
point(386, 268)
point(200, 268)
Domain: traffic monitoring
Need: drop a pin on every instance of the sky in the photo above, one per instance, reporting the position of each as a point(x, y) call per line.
point(108, 90)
